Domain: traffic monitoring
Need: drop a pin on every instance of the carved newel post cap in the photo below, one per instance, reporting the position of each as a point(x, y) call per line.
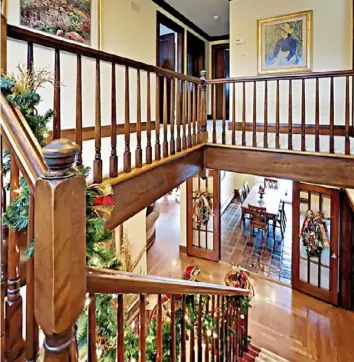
point(203, 73)
point(59, 156)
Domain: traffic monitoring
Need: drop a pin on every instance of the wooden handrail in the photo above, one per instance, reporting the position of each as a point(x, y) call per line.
point(49, 41)
point(107, 281)
point(312, 75)
point(22, 142)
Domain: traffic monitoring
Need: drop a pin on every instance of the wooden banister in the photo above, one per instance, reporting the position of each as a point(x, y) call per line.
point(107, 281)
point(22, 142)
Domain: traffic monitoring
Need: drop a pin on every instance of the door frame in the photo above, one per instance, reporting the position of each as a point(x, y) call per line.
point(192, 250)
point(332, 294)
point(164, 20)
point(192, 40)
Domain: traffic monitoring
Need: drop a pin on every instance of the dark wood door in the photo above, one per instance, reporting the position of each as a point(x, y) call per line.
point(204, 242)
point(316, 275)
point(220, 66)
point(195, 55)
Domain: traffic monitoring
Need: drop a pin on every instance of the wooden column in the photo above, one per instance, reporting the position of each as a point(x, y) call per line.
point(60, 265)
point(3, 42)
point(202, 110)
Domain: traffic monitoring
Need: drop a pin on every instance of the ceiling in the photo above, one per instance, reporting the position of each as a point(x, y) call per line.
point(201, 12)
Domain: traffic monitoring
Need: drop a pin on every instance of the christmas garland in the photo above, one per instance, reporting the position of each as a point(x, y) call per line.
point(202, 208)
point(314, 233)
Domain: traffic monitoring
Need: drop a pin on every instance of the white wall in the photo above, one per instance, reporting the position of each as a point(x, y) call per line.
point(227, 187)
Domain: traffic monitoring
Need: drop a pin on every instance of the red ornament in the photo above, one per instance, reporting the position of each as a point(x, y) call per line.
point(243, 275)
point(103, 201)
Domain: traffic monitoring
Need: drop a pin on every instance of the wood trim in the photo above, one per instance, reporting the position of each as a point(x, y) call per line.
point(213, 56)
point(113, 282)
point(220, 37)
point(162, 19)
point(310, 129)
point(172, 11)
point(283, 164)
point(88, 133)
point(48, 41)
point(137, 189)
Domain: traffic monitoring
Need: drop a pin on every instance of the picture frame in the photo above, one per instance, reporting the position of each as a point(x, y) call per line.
point(285, 43)
point(71, 22)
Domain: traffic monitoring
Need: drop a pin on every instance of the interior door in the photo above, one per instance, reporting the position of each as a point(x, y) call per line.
point(316, 276)
point(204, 242)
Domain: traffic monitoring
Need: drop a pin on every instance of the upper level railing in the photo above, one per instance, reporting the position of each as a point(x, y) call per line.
point(300, 112)
point(169, 102)
point(204, 321)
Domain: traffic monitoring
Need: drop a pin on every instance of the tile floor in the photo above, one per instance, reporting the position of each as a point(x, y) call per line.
point(256, 256)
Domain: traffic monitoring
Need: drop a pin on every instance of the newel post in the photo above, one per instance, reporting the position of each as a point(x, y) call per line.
point(203, 108)
point(60, 250)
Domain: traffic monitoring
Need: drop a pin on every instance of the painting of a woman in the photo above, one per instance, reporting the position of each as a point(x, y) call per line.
point(284, 44)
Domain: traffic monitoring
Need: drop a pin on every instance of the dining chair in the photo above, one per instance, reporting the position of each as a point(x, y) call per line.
point(246, 187)
point(270, 183)
point(241, 195)
point(279, 220)
point(258, 220)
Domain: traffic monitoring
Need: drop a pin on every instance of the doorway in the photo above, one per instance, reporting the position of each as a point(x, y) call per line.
point(169, 54)
point(221, 69)
point(195, 55)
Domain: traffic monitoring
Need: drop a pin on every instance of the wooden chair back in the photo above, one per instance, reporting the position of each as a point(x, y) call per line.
point(270, 183)
point(246, 187)
point(258, 217)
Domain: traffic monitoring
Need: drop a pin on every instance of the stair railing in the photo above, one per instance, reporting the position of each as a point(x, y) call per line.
point(224, 341)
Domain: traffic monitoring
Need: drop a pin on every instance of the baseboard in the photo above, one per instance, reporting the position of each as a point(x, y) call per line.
point(183, 249)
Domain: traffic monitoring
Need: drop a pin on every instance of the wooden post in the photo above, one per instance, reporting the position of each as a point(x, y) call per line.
point(203, 110)
point(60, 249)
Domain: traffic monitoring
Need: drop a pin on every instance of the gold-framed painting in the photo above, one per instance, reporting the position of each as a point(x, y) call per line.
point(74, 20)
point(285, 43)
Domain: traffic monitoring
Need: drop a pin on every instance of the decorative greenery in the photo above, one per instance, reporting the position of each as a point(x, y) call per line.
point(202, 207)
point(314, 233)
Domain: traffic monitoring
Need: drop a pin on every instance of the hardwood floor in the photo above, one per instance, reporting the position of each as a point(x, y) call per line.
point(286, 322)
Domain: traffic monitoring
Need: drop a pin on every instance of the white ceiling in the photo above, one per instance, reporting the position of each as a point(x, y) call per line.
point(201, 13)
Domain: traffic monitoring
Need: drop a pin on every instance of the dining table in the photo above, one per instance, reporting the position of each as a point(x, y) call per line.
point(271, 200)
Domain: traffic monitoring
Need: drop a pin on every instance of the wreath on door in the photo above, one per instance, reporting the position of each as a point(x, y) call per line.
point(202, 208)
point(314, 233)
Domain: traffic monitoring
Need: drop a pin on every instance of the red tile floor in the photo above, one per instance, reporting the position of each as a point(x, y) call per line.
point(267, 259)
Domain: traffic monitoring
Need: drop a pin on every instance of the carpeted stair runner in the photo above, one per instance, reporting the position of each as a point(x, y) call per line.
point(255, 354)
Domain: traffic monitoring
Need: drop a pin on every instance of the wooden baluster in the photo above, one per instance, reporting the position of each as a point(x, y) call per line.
point(56, 107)
point(245, 323)
point(173, 329)
point(198, 115)
point(120, 327)
point(347, 116)
point(183, 330)
point(127, 154)
point(290, 117)
point(14, 344)
point(265, 140)
point(3, 255)
point(32, 332)
point(331, 117)
point(157, 122)
point(113, 159)
point(212, 335)
point(78, 130)
point(192, 336)
point(138, 151)
point(243, 114)
point(303, 115)
point(165, 116)
point(226, 322)
point(200, 330)
point(238, 334)
point(214, 112)
point(148, 116)
point(172, 118)
point(206, 337)
point(234, 339)
point(233, 136)
point(97, 165)
point(217, 347)
point(317, 117)
point(221, 334)
point(178, 116)
point(189, 115)
point(254, 125)
point(91, 341)
point(159, 351)
point(184, 131)
point(194, 114)
point(203, 118)
point(58, 230)
point(230, 339)
point(277, 116)
point(142, 330)
point(223, 135)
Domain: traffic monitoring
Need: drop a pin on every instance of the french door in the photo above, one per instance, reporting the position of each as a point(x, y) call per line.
point(204, 242)
point(316, 275)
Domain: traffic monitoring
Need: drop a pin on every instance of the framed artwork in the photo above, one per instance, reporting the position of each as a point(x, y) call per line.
point(285, 44)
point(74, 20)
